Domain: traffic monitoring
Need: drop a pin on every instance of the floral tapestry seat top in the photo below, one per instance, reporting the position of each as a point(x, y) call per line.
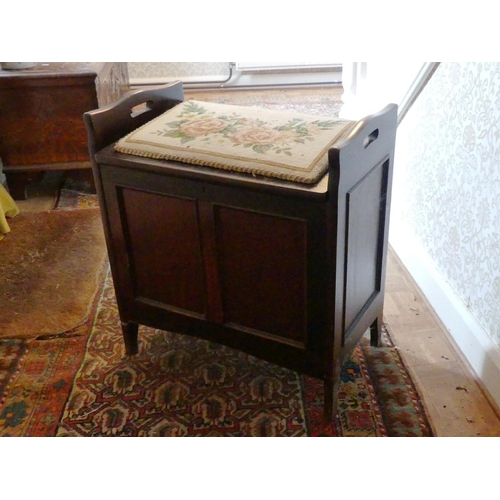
point(285, 145)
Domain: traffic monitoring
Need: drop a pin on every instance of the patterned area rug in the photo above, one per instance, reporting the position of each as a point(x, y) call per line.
point(76, 194)
point(51, 267)
point(323, 101)
point(83, 385)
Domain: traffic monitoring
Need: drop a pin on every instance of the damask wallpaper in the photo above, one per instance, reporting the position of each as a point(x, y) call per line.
point(449, 183)
point(176, 69)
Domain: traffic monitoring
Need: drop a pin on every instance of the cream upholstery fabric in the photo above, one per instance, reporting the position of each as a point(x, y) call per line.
point(286, 145)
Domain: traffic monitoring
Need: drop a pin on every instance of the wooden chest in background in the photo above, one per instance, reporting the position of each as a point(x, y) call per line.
point(41, 123)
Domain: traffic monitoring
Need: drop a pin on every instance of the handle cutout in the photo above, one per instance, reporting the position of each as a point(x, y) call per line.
point(372, 137)
point(141, 108)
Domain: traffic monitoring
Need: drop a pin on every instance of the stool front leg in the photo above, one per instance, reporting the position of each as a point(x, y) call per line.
point(376, 332)
point(130, 331)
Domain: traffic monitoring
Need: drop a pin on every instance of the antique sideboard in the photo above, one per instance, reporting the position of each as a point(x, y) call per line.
point(41, 125)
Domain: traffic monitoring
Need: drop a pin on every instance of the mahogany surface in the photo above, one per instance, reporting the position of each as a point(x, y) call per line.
point(41, 125)
point(290, 273)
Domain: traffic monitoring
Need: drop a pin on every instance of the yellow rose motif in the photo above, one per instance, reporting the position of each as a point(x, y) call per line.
point(256, 136)
point(202, 126)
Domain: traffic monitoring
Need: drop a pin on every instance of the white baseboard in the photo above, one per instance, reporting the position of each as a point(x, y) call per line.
point(160, 80)
point(250, 79)
point(476, 345)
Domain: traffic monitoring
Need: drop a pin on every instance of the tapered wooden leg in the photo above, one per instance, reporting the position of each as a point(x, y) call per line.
point(376, 332)
point(331, 388)
point(130, 331)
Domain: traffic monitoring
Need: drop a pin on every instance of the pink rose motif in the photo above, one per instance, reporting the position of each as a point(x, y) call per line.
point(287, 136)
point(202, 126)
point(313, 129)
point(255, 136)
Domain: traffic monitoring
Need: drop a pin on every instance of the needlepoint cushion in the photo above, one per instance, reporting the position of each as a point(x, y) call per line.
point(285, 145)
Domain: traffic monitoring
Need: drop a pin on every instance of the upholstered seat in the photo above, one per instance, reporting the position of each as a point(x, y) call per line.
point(285, 145)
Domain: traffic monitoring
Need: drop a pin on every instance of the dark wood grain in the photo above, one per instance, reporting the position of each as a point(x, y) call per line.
point(215, 310)
point(164, 249)
point(262, 262)
point(41, 123)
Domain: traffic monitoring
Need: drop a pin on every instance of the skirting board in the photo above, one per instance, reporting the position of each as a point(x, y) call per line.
point(477, 347)
point(249, 79)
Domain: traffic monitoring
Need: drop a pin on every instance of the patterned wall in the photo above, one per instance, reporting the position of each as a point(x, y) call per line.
point(176, 69)
point(449, 183)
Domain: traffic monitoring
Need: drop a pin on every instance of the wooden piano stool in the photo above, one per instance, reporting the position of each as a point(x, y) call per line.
point(288, 272)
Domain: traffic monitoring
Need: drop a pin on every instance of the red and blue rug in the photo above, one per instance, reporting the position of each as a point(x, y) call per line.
point(81, 384)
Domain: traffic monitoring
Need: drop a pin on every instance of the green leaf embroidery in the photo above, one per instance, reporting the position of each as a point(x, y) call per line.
point(300, 130)
point(191, 107)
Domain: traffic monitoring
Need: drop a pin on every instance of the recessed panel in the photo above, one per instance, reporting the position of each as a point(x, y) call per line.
point(262, 262)
point(163, 239)
point(365, 219)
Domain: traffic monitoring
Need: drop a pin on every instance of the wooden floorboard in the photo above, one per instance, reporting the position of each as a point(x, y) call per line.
point(453, 396)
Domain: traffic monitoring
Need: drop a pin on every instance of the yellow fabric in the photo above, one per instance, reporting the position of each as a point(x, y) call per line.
point(8, 208)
